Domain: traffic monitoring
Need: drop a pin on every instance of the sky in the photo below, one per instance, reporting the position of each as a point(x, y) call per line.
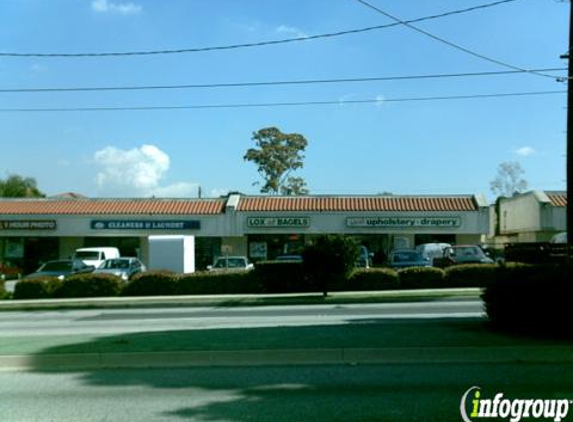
point(420, 147)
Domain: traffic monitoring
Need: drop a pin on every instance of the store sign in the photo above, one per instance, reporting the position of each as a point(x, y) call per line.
point(404, 222)
point(28, 225)
point(278, 222)
point(145, 225)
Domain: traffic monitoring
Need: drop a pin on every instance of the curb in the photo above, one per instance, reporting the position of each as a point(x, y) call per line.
point(288, 357)
point(240, 300)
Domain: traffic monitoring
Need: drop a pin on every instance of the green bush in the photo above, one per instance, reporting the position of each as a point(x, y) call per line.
point(470, 275)
point(329, 259)
point(531, 298)
point(281, 277)
point(36, 288)
point(3, 292)
point(213, 283)
point(152, 283)
point(370, 279)
point(89, 285)
point(421, 277)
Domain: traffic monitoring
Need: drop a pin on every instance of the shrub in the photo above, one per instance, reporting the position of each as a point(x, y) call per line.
point(370, 279)
point(531, 298)
point(421, 277)
point(281, 277)
point(151, 283)
point(36, 288)
point(225, 282)
point(3, 292)
point(89, 285)
point(470, 275)
point(329, 259)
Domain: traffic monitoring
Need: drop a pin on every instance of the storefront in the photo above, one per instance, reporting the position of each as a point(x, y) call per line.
point(260, 227)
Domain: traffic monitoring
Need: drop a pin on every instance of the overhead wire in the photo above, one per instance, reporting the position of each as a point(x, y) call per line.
point(254, 44)
point(272, 83)
point(282, 104)
point(409, 25)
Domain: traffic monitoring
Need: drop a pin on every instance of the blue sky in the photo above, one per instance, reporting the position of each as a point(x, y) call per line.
point(417, 147)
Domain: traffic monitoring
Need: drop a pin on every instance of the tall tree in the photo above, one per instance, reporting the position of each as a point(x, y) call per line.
point(509, 180)
point(277, 155)
point(16, 186)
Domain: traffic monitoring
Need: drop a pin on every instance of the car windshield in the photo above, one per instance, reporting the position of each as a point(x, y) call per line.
point(406, 257)
point(230, 263)
point(467, 251)
point(56, 266)
point(115, 264)
point(87, 255)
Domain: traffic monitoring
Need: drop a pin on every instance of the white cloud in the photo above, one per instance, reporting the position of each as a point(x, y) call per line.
point(525, 151)
point(137, 172)
point(291, 30)
point(105, 6)
point(380, 99)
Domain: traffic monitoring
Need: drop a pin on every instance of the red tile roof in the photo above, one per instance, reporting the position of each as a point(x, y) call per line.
point(366, 203)
point(111, 206)
point(558, 199)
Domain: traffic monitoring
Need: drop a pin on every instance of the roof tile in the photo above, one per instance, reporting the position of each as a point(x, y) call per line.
point(357, 204)
point(111, 207)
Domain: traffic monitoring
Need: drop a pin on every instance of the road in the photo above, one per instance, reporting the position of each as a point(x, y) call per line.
point(422, 385)
point(430, 392)
point(101, 321)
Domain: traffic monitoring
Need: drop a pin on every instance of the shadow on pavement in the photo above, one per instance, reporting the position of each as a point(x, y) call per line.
point(395, 392)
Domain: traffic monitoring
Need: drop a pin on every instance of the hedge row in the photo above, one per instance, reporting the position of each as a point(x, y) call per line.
point(277, 277)
point(535, 299)
point(79, 285)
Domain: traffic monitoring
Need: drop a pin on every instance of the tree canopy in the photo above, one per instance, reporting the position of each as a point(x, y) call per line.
point(15, 186)
point(277, 155)
point(509, 180)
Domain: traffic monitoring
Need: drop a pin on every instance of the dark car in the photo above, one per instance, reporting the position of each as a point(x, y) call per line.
point(290, 258)
point(467, 254)
point(61, 269)
point(404, 258)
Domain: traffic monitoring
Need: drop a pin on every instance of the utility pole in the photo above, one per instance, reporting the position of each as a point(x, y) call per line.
point(570, 133)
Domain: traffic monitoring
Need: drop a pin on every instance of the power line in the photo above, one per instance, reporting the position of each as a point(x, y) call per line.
point(255, 44)
point(272, 83)
point(454, 45)
point(283, 104)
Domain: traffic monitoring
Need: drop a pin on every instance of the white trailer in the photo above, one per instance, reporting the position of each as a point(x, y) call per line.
point(174, 252)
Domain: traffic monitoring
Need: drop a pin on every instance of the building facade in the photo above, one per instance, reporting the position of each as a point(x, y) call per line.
point(260, 227)
point(534, 216)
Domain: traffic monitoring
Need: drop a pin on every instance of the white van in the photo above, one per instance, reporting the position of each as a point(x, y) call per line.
point(430, 251)
point(95, 256)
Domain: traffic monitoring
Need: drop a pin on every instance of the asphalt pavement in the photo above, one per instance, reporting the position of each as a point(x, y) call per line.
point(432, 331)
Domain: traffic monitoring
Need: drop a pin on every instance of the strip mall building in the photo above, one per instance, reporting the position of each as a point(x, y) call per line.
point(260, 227)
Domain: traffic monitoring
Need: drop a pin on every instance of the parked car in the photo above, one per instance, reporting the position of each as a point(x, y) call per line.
point(432, 251)
point(95, 256)
point(364, 257)
point(467, 254)
point(61, 269)
point(292, 258)
point(404, 258)
point(559, 238)
point(9, 270)
point(121, 267)
point(231, 263)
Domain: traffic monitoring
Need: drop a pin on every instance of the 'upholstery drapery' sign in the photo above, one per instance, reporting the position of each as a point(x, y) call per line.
point(404, 222)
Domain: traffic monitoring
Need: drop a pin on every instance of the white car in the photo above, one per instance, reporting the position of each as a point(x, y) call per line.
point(231, 263)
